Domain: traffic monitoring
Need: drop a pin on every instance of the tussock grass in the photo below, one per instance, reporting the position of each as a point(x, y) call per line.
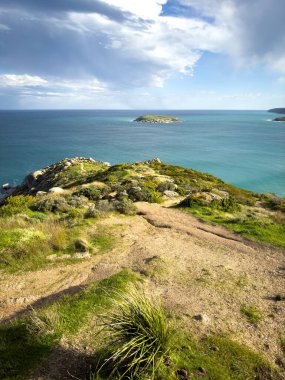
point(139, 335)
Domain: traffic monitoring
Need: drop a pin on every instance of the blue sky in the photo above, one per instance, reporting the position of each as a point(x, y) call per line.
point(151, 54)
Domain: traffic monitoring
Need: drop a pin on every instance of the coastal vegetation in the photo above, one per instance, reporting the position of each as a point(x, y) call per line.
point(113, 279)
point(156, 119)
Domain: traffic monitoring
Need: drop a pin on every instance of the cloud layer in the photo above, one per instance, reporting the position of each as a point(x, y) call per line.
point(121, 44)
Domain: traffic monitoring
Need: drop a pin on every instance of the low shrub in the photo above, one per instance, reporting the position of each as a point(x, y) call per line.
point(125, 206)
point(163, 186)
point(51, 204)
point(104, 205)
point(143, 194)
point(92, 193)
point(229, 204)
point(59, 204)
point(16, 204)
point(92, 212)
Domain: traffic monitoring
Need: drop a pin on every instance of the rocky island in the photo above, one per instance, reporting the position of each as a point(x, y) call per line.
point(156, 119)
point(279, 119)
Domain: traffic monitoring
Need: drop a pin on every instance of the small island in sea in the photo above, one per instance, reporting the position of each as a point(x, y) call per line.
point(279, 118)
point(156, 119)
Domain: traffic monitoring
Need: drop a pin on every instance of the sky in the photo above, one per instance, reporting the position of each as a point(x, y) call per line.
point(142, 54)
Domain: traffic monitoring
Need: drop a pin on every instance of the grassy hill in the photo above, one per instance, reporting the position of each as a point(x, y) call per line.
point(80, 247)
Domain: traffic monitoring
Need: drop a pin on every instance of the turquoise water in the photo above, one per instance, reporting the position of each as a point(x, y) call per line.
point(243, 148)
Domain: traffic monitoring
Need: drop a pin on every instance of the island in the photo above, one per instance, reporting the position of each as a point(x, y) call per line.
point(277, 110)
point(279, 119)
point(156, 119)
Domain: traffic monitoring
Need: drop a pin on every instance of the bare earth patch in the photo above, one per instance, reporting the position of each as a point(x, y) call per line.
point(196, 268)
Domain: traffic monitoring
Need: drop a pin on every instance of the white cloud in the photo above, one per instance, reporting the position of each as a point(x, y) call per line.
point(147, 9)
point(13, 80)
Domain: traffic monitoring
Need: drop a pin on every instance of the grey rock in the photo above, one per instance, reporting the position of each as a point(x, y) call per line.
point(52, 257)
point(56, 190)
point(39, 193)
point(170, 194)
point(81, 255)
point(6, 186)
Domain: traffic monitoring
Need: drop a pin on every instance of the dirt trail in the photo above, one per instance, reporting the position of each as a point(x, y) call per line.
point(196, 268)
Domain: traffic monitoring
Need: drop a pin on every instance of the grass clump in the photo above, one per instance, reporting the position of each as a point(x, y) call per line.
point(139, 336)
point(252, 314)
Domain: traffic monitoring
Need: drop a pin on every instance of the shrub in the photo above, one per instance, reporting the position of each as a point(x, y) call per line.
point(125, 206)
point(15, 204)
point(91, 193)
point(51, 204)
point(229, 204)
point(144, 194)
point(163, 186)
point(59, 204)
point(139, 335)
point(92, 213)
point(104, 205)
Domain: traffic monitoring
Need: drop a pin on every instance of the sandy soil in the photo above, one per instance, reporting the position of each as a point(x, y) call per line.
point(194, 267)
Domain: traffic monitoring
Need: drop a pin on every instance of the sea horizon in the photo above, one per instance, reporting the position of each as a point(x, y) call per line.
point(242, 147)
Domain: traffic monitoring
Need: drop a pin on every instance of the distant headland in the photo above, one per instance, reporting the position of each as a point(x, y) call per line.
point(156, 119)
point(278, 110)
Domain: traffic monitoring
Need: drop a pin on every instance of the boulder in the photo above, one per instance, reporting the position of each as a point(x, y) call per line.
point(31, 178)
point(170, 194)
point(6, 186)
point(81, 255)
point(39, 193)
point(56, 190)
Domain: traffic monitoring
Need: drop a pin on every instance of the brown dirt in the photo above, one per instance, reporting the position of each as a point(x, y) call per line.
point(196, 269)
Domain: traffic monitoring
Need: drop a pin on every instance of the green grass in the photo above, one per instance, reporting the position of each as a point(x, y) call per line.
point(216, 358)
point(139, 335)
point(252, 314)
point(262, 228)
point(25, 342)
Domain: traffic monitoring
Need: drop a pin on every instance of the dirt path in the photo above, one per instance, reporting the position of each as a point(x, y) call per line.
point(196, 268)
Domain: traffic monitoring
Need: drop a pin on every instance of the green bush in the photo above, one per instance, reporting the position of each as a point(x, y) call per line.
point(16, 204)
point(143, 194)
point(125, 206)
point(51, 204)
point(92, 213)
point(229, 204)
point(92, 193)
point(163, 186)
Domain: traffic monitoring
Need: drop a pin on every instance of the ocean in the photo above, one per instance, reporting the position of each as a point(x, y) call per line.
point(243, 148)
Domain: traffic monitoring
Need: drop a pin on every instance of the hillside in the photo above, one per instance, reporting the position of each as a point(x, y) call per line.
point(78, 234)
point(277, 110)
